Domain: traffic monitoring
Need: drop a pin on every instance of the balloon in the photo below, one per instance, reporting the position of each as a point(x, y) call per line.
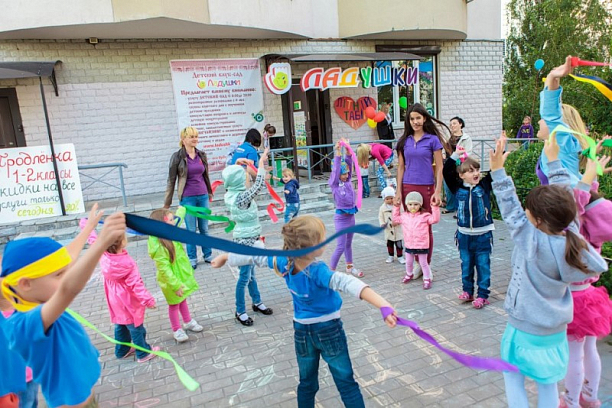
point(403, 102)
point(539, 64)
point(370, 112)
point(371, 123)
point(379, 117)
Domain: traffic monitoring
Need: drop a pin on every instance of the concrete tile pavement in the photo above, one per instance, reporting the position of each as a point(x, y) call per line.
point(256, 367)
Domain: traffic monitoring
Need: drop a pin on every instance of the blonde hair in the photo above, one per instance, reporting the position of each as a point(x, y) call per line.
point(160, 215)
point(363, 155)
point(288, 172)
point(303, 232)
point(572, 118)
point(188, 131)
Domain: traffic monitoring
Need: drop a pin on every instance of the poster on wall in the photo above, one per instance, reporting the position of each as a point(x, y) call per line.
point(299, 120)
point(28, 188)
point(220, 98)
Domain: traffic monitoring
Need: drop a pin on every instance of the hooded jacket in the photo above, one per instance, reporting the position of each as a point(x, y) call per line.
point(385, 217)
point(247, 220)
point(416, 226)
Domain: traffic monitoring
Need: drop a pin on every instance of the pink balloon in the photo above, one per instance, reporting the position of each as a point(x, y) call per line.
point(370, 112)
point(379, 117)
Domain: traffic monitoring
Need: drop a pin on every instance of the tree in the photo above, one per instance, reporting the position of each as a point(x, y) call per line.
point(551, 30)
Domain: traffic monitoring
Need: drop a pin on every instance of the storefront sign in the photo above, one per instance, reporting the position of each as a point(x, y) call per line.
point(353, 113)
point(220, 98)
point(278, 78)
point(318, 78)
point(28, 188)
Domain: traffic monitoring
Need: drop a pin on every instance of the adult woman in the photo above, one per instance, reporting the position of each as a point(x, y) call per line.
point(248, 150)
point(458, 138)
point(385, 127)
point(380, 152)
point(190, 166)
point(419, 147)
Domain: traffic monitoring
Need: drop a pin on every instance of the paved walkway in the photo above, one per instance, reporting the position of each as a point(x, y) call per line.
point(256, 367)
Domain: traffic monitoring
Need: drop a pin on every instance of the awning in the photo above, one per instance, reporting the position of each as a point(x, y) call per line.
point(29, 69)
point(358, 56)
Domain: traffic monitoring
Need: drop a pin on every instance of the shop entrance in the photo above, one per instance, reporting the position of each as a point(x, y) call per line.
point(11, 129)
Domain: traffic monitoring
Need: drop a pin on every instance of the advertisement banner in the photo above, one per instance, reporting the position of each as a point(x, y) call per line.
point(299, 120)
point(28, 188)
point(222, 99)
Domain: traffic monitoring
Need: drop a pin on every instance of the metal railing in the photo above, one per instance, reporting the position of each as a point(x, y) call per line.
point(94, 180)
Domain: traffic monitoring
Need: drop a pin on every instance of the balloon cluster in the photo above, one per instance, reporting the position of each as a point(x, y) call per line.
point(374, 117)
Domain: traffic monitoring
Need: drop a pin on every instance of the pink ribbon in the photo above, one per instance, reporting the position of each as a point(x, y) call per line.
point(357, 172)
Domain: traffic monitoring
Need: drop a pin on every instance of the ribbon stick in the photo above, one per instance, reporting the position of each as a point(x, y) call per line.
point(577, 62)
point(206, 214)
point(278, 206)
point(357, 172)
point(214, 186)
point(475, 362)
point(601, 85)
point(185, 378)
point(590, 152)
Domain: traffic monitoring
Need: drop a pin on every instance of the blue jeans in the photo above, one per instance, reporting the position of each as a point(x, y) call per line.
point(327, 340)
point(474, 251)
point(246, 278)
point(291, 210)
point(191, 221)
point(380, 173)
point(29, 397)
point(365, 193)
point(127, 333)
point(451, 201)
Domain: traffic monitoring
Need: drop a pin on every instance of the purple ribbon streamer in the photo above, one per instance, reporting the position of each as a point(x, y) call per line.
point(475, 362)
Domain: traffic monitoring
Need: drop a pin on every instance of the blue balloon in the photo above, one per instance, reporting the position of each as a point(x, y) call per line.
point(539, 64)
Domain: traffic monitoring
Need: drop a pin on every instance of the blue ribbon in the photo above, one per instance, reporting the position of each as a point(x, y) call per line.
point(147, 226)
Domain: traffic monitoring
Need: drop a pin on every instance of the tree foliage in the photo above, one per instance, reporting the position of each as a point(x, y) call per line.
point(550, 30)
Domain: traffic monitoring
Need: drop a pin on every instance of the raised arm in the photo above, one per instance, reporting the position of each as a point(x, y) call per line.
point(75, 247)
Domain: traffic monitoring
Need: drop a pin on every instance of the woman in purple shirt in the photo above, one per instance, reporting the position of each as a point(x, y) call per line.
point(419, 147)
point(190, 166)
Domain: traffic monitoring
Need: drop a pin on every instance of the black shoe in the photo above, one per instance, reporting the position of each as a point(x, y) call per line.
point(266, 311)
point(247, 322)
point(455, 216)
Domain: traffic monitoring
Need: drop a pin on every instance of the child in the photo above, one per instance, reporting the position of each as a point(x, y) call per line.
point(344, 198)
point(314, 288)
point(592, 305)
point(292, 197)
point(393, 230)
point(243, 210)
point(268, 132)
point(380, 152)
point(175, 278)
point(525, 131)
point(365, 180)
point(40, 281)
point(548, 255)
point(474, 236)
point(415, 225)
point(127, 299)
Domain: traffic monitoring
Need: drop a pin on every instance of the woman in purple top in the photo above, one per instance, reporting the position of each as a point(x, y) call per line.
point(419, 147)
point(190, 166)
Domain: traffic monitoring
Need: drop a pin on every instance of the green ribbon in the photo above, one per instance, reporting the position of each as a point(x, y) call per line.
point(206, 214)
point(590, 152)
point(185, 378)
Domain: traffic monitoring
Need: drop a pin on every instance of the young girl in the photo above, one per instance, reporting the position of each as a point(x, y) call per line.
point(175, 278)
point(268, 132)
point(548, 255)
point(380, 152)
point(393, 230)
point(292, 196)
point(344, 198)
point(40, 281)
point(415, 225)
point(314, 288)
point(243, 210)
point(592, 305)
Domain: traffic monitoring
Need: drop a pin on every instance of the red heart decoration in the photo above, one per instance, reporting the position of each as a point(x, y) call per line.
point(353, 113)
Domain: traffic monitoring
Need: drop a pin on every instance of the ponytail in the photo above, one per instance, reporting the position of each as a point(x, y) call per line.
point(573, 245)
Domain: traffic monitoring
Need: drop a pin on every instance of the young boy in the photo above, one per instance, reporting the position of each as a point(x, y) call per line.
point(393, 231)
point(475, 226)
point(292, 196)
point(40, 281)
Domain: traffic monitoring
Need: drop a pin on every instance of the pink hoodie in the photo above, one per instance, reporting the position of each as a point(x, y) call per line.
point(416, 226)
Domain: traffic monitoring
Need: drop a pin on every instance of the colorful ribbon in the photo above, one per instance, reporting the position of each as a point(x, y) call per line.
point(185, 378)
point(590, 152)
point(462, 157)
point(206, 214)
point(475, 362)
point(601, 85)
point(357, 172)
point(279, 206)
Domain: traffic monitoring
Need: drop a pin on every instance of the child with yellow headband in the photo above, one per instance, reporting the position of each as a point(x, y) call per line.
point(40, 280)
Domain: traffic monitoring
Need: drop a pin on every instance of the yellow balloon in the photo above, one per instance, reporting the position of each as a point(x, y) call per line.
point(371, 123)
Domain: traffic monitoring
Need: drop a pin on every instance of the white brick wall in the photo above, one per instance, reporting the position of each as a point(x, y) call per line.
point(116, 102)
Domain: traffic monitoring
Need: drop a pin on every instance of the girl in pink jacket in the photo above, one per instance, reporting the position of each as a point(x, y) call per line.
point(415, 226)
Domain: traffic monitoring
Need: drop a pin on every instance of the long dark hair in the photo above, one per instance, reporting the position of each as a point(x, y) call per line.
point(555, 207)
point(429, 126)
point(253, 137)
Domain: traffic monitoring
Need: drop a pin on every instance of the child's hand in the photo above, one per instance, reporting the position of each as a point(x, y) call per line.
point(263, 159)
point(600, 143)
point(94, 218)
point(395, 224)
point(562, 70)
point(391, 320)
point(383, 225)
point(113, 229)
point(497, 158)
point(219, 261)
point(286, 191)
point(151, 304)
point(244, 162)
point(551, 148)
point(591, 166)
point(179, 292)
point(460, 150)
point(543, 131)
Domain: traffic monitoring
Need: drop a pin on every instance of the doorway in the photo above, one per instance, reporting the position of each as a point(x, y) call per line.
point(11, 127)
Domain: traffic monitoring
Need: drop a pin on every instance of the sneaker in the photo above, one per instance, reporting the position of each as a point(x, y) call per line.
point(402, 260)
point(180, 336)
point(193, 326)
point(407, 278)
point(130, 352)
point(389, 259)
point(466, 297)
point(418, 272)
point(355, 272)
point(479, 303)
point(149, 356)
point(589, 404)
point(426, 283)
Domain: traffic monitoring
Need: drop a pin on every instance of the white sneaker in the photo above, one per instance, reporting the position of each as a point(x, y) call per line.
point(389, 259)
point(418, 272)
point(193, 326)
point(180, 336)
point(402, 260)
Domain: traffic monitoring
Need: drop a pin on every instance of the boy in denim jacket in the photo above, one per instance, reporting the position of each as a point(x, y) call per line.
point(475, 226)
